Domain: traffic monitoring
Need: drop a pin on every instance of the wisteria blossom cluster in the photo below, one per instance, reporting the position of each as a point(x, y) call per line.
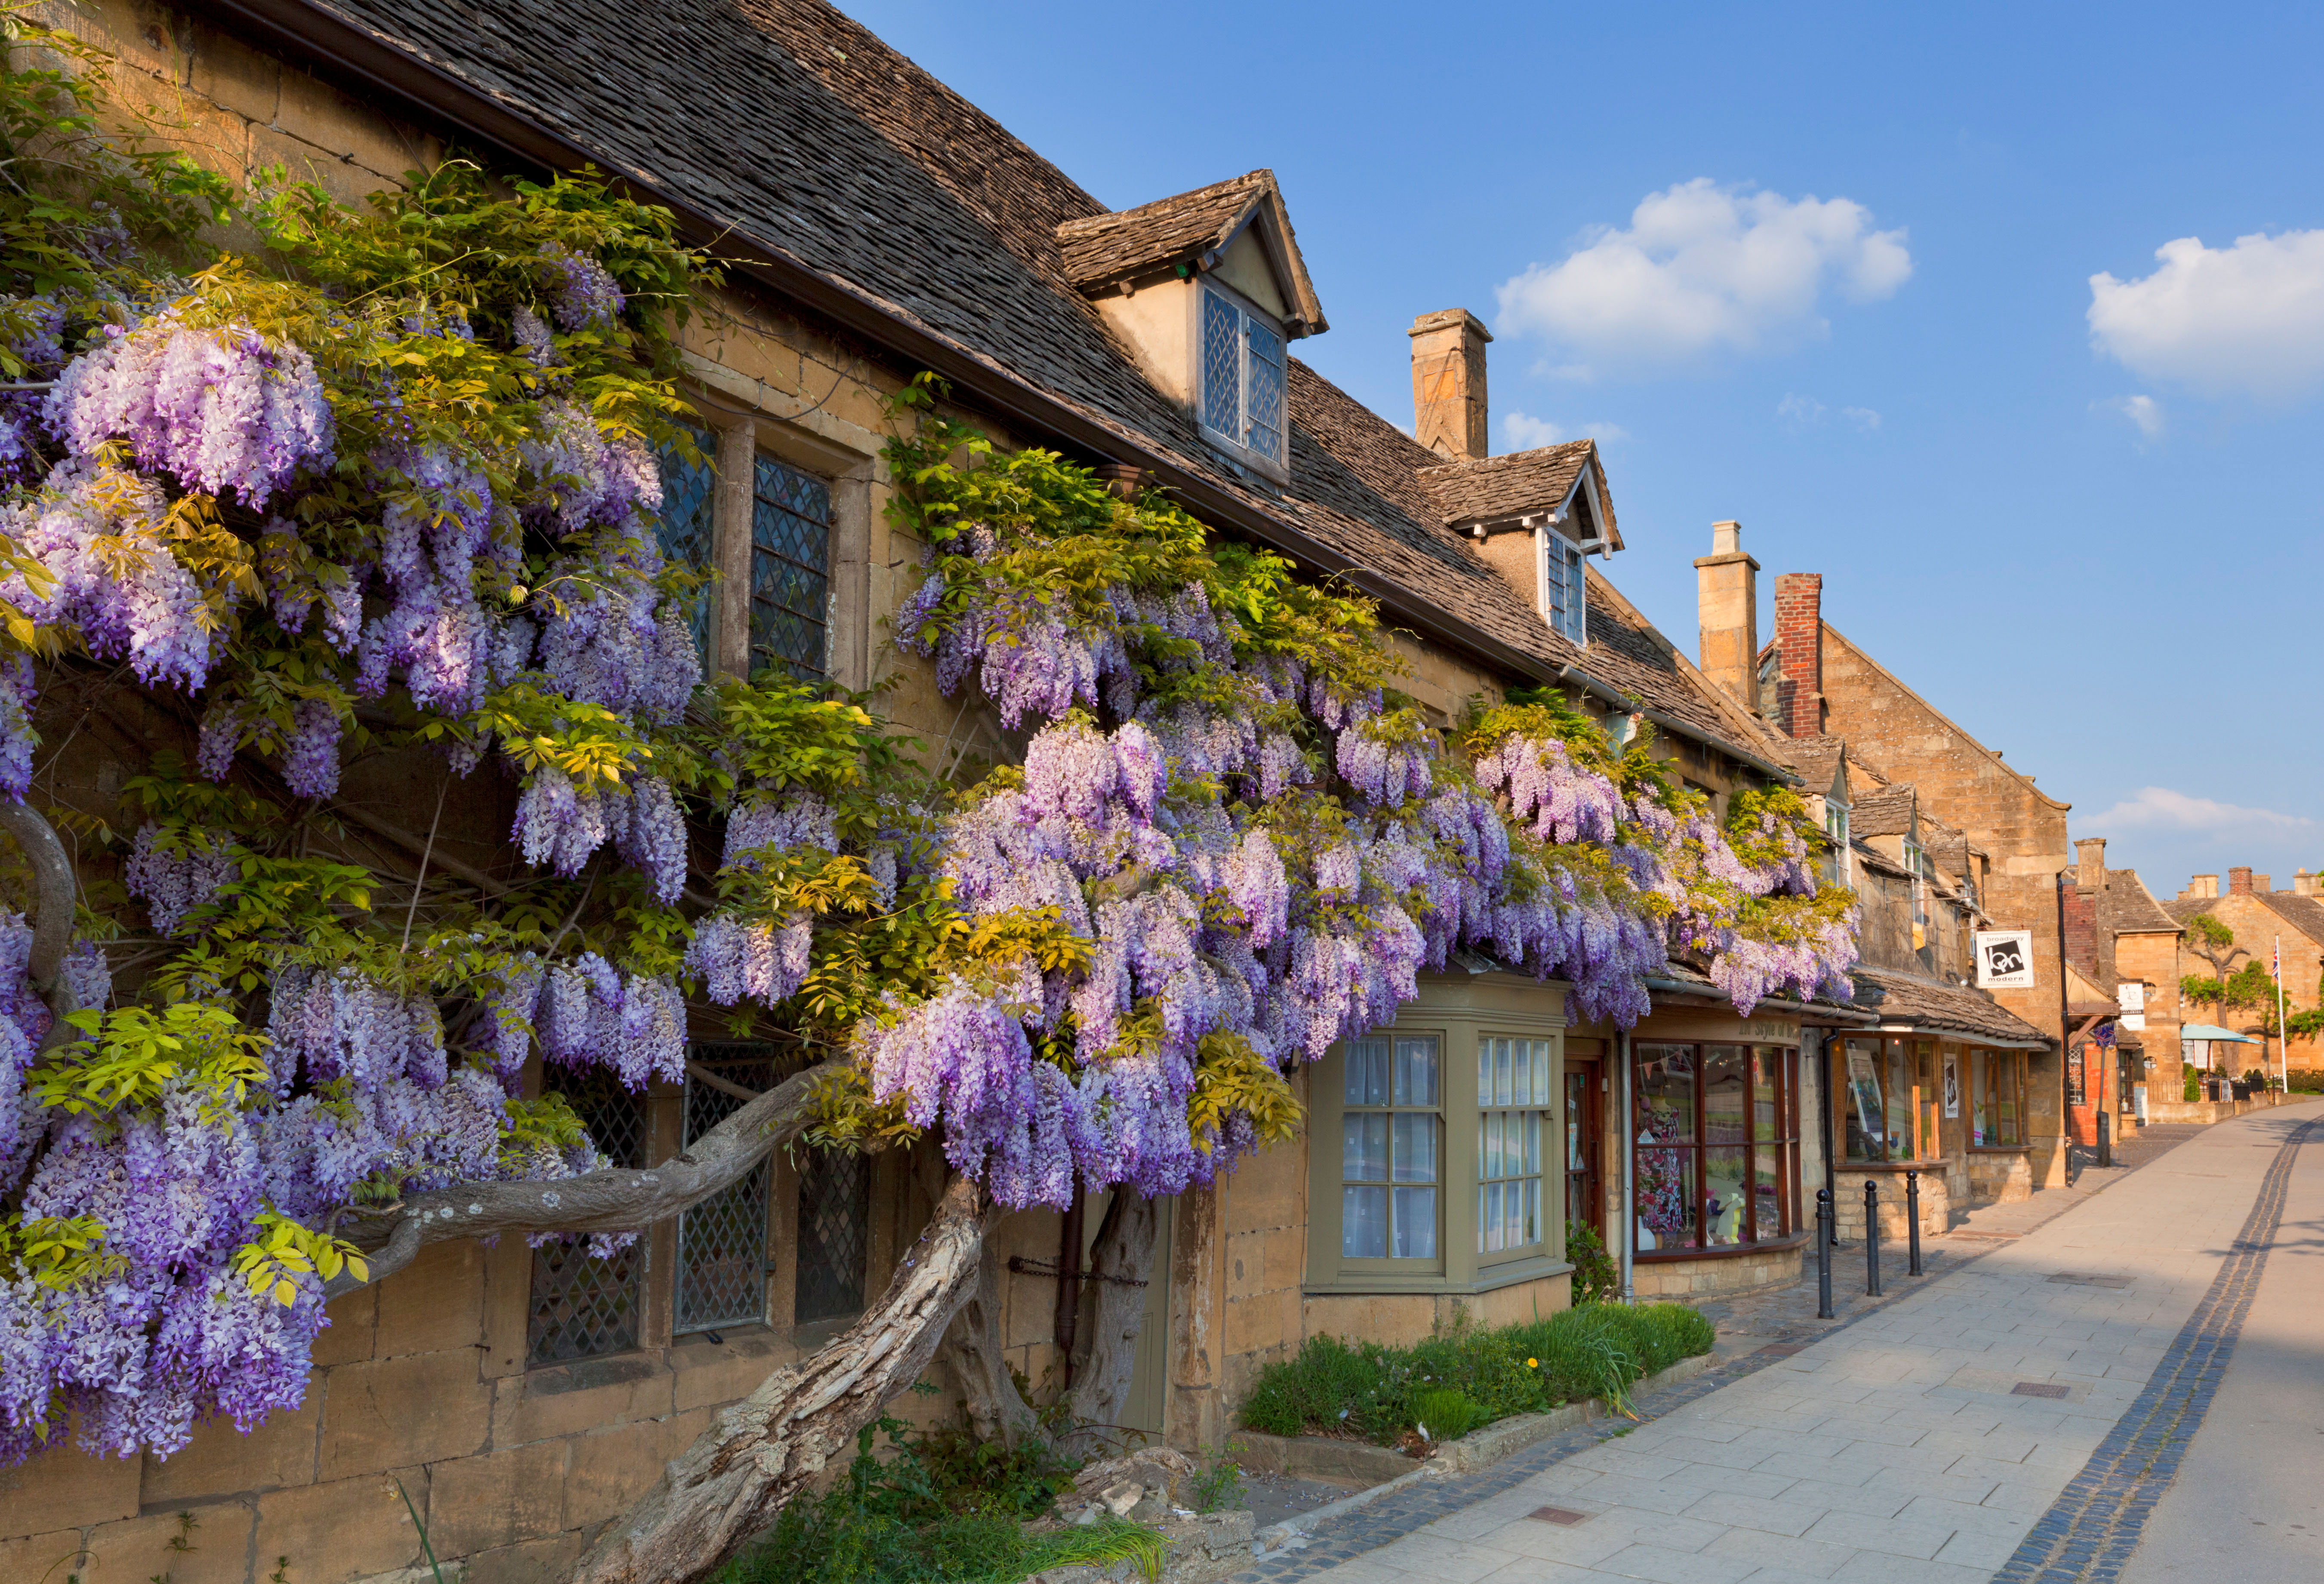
point(1262, 851)
point(277, 503)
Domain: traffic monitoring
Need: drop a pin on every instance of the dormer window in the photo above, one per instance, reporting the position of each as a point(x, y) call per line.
point(1564, 592)
point(1242, 376)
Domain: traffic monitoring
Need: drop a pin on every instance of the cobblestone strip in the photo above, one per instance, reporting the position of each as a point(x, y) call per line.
point(2090, 1531)
point(1393, 1517)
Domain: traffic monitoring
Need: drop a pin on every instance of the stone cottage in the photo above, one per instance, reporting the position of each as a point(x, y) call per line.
point(879, 225)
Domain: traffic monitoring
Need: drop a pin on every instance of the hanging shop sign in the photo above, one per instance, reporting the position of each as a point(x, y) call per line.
point(2004, 959)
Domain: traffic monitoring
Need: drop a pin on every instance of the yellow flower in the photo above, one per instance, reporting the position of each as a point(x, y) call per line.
point(1533, 1364)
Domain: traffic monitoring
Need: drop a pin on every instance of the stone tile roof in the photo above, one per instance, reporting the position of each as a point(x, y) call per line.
point(812, 139)
point(1482, 489)
point(1903, 997)
point(2304, 914)
point(2183, 908)
point(2128, 907)
point(1887, 812)
point(1816, 760)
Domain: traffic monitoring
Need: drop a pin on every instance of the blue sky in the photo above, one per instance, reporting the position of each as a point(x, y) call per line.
point(2081, 520)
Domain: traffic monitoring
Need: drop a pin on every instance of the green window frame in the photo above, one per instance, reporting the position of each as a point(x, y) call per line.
point(1405, 1182)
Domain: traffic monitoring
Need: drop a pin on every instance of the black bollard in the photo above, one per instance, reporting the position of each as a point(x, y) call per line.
point(1823, 1254)
point(1913, 1221)
point(1871, 1238)
point(2106, 1140)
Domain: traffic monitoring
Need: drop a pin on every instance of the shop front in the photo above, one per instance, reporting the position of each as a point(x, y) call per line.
point(1937, 1095)
point(1711, 1189)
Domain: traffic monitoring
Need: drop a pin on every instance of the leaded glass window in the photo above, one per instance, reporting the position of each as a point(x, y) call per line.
point(790, 571)
point(1564, 585)
point(721, 1242)
point(687, 528)
point(582, 1306)
point(1243, 376)
point(835, 1225)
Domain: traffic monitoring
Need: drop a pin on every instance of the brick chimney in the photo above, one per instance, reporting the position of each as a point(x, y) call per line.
point(1727, 606)
point(2239, 882)
point(2089, 865)
point(1448, 383)
point(1799, 643)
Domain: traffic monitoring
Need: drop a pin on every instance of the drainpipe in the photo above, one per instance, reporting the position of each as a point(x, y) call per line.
point(1630, 1160)
point(2065, 1033)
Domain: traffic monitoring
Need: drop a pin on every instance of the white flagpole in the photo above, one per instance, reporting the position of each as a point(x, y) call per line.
point(2283, 1033)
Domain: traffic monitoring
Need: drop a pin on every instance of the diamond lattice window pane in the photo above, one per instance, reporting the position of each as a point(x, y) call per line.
point(790, 571)
point(687, 529)
point(583, 1307)
point(721, 1242)
point(1266, 394)
point(1221, 365)
point(835, 1234)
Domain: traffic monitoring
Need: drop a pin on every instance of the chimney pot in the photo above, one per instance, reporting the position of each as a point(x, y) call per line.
point(1799, 644)
point(1448, 383)
point(1727, 606)
point(2239, 882)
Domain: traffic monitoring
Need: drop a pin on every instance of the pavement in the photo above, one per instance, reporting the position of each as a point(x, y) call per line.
point(2121, 1389)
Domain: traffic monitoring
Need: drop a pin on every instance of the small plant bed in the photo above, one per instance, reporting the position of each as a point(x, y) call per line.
point(1446, 1385)
point(939, 1508)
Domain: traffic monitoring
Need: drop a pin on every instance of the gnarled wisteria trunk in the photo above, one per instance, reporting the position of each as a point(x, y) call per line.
point(757, 1454)
point(1122, 1264)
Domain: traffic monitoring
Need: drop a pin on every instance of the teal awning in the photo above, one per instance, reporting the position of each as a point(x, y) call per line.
point(2213, 1032)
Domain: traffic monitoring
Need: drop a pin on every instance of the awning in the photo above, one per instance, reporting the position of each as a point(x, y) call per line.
point(2213, 1032)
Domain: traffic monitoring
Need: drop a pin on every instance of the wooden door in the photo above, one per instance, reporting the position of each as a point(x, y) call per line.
point(1585, 1106)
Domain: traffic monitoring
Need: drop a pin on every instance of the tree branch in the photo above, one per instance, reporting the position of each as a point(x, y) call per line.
point(616, 1200)
point(765, 1450)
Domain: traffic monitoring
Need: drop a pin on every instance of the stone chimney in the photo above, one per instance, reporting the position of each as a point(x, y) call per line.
point(2261, 885)
point(1727, 606)
point(1448, 383)
point(2239, 882)
point(2089, 865)
point(1799, 645)
point(2303, 884)
point(2200, 888)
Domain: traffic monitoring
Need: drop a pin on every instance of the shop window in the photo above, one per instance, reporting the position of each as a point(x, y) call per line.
point(790, 571)
point(1513, 1097)
point(582, 1305)
point(1890, 1099)
point(1996, 1088)
point(1717, 1137)
point(721, 1242)
point(1389, 1133)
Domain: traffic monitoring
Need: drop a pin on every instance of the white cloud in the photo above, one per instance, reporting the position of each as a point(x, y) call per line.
point(2144, 412)
point(1704, 269)
point(1800, 412)
point(2161, 808)
point(2246, 319)
point(1524, 432)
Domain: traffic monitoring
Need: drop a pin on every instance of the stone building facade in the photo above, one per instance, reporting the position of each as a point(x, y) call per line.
point(880, 227)
point(2262, 917)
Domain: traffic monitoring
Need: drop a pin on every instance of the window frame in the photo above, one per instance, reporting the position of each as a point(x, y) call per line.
point(1237, 444)
point(1982, 1061)
point(1392, 1154)
point(1565, 596)
point(1784, 1144)
point(1546, 1064)
point(1899, 1054)
point(1459, 1015)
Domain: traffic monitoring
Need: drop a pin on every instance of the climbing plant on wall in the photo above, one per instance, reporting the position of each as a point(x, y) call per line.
point(381, 489)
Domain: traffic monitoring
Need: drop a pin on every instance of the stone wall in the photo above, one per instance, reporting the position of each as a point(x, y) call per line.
point(1728, 1276)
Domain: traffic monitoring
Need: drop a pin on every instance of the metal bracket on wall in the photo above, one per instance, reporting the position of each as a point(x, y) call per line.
point(1048, 1267)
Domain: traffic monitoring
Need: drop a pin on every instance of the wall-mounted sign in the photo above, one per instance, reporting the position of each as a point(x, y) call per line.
point(2131, 995)
point(2004, 959)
